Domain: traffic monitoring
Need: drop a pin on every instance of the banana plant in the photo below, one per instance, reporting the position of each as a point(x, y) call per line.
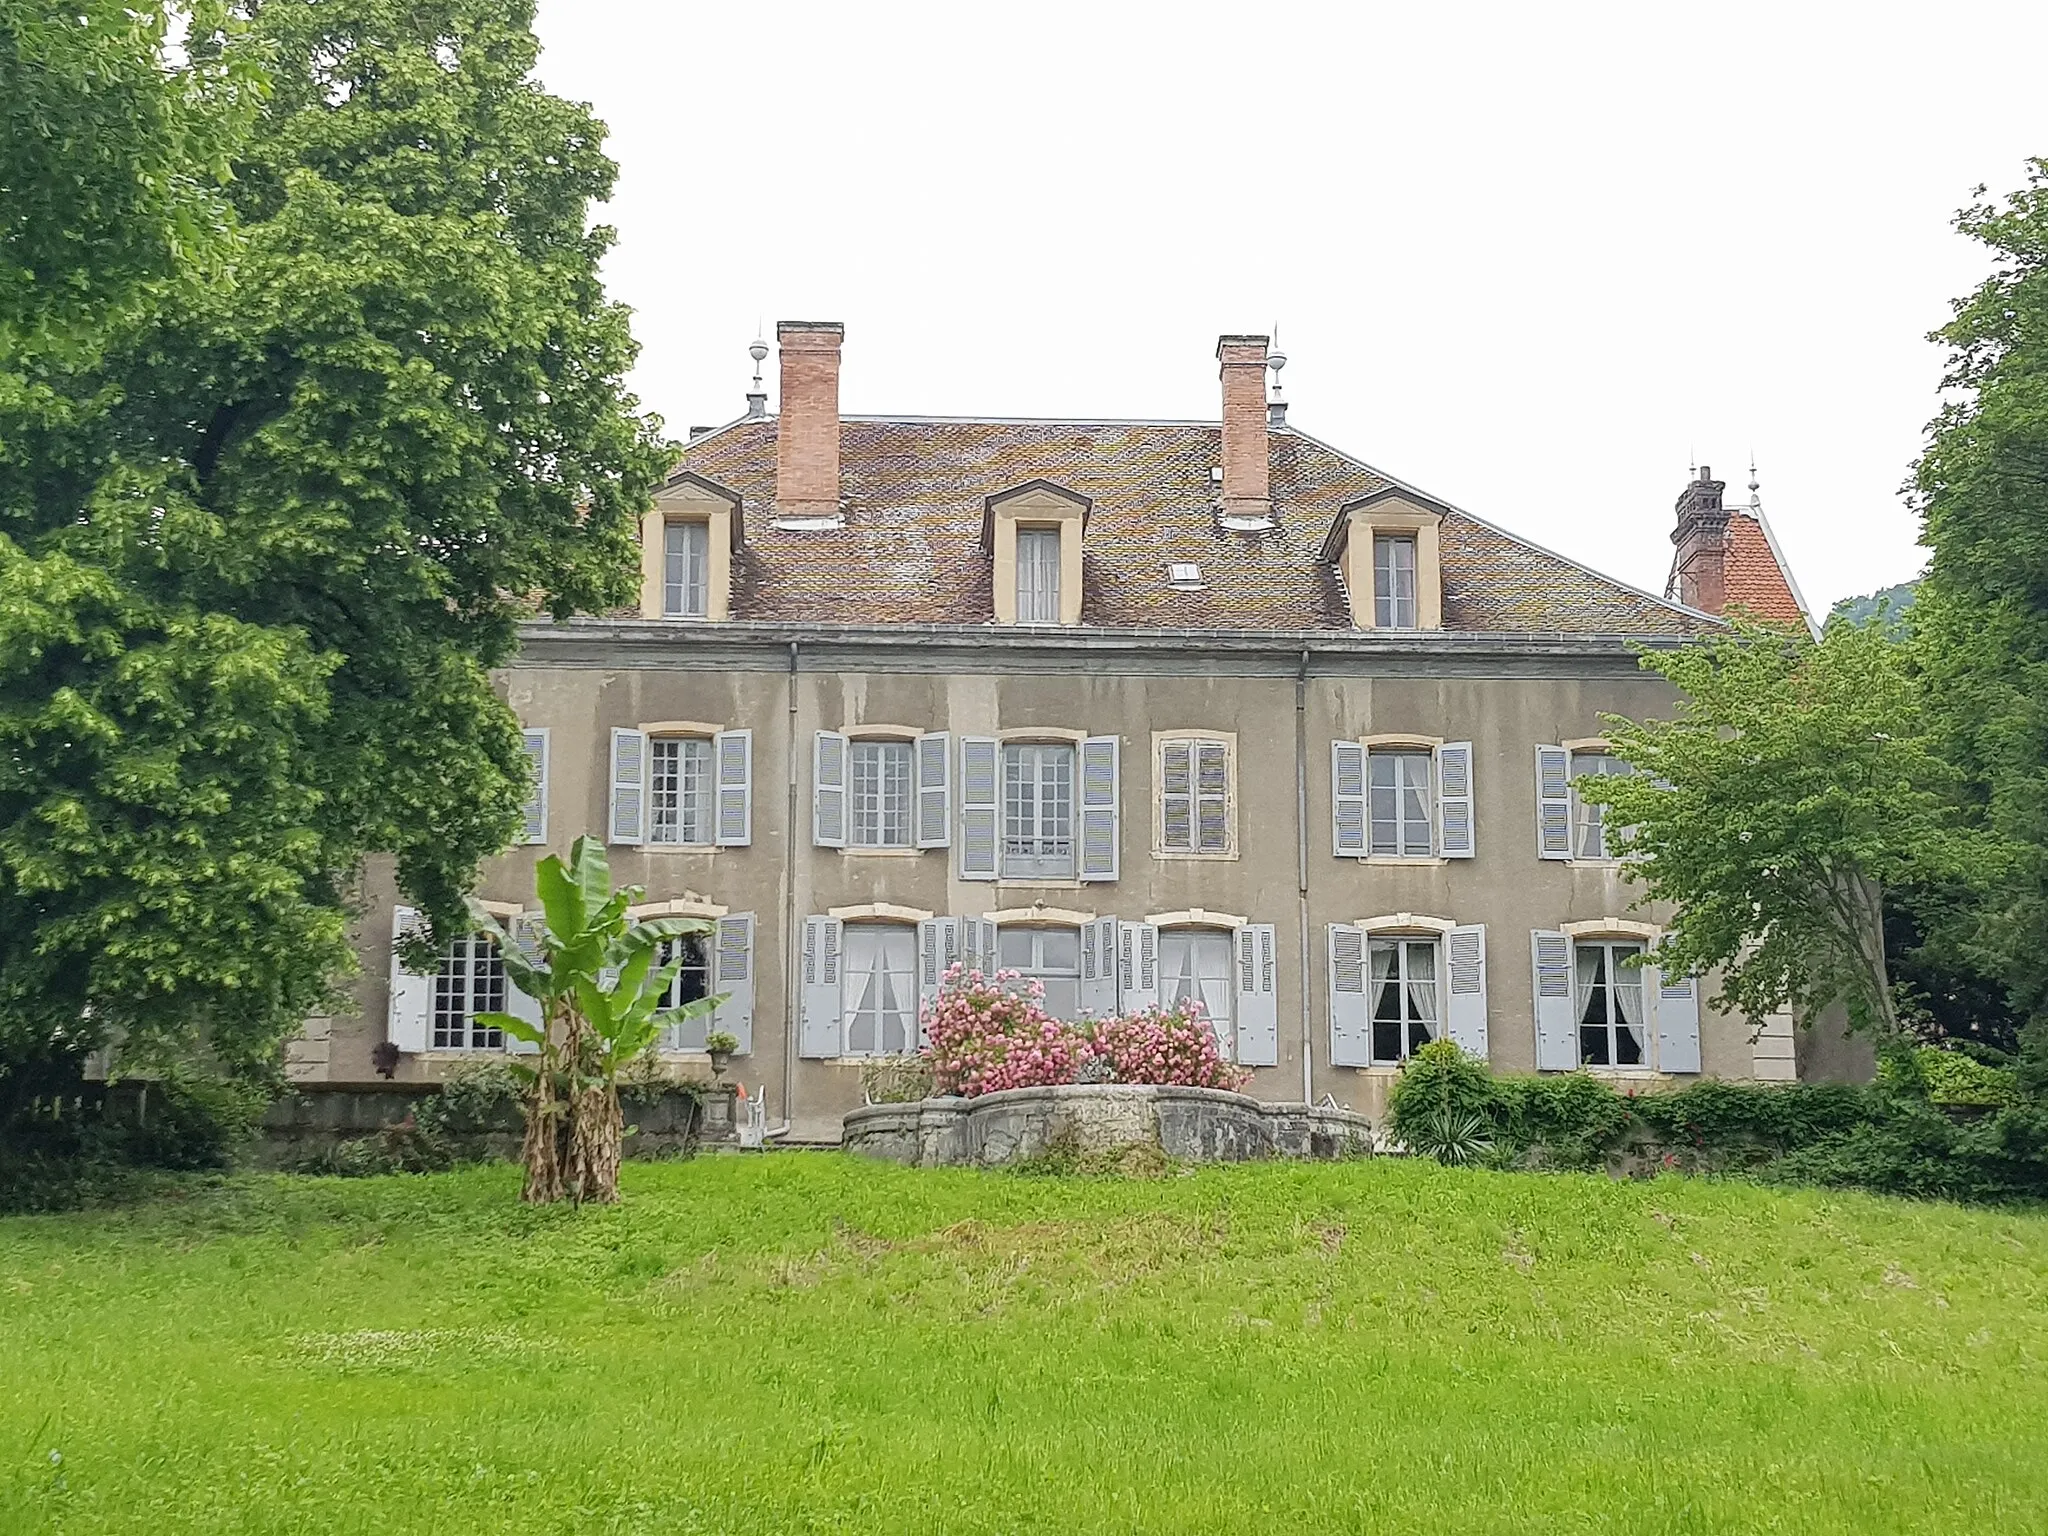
point(592, 969)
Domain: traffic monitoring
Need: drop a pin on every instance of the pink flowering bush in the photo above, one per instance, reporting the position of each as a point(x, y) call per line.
point(986, 1035)
point(1160, 1046)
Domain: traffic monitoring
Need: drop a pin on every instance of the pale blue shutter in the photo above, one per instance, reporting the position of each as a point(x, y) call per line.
point(1347, 799)
point(1455, 838)
point(628, 820)
point(732, 974)
point(1176, 796)
point(1350, 1029)
point(534, 827)
point(828, 790)
point(734, 754)
point(934, 789)
point(525, 931)
point(1554, 806)
point(1557, 1044)
point(1258, 999)
point(1212, 797)
point(819, 1031)
point(981, 784)
point(1099, 967)
point(412, 997)
point(1678, 1019)
point(1099, 799)
point(1465, 1010)
point(938, 950)
point(1137, 966)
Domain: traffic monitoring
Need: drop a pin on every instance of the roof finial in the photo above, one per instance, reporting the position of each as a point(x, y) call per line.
point(1755, 501)
point(1276, 403)
point(757, 396)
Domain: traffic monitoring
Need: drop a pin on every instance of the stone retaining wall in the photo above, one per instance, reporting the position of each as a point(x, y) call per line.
point(1196, 1125)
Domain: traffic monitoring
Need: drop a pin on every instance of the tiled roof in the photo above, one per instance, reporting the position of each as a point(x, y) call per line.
point(1757, 580)
point(911, 551)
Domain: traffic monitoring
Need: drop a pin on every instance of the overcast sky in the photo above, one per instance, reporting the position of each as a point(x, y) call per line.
point(1533, 259)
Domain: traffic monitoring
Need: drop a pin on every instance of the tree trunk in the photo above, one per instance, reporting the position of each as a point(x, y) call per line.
point(597, 1140)
point(542, 1148)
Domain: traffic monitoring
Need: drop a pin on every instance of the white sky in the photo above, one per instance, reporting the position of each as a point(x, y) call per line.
point(1532, 259)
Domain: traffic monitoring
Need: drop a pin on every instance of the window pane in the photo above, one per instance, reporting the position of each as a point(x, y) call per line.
point(881, 989)
point(1060, 949)
point(686, 583)
point(692, 982)
point(1399, 804)
point(1393, 581)
point(1015, 947)
point(1038, 575)
point(881, 794)
point(1590, 841)
point(1038, 811)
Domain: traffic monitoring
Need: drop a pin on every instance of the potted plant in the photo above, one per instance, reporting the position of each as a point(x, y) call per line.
point(719, 1046)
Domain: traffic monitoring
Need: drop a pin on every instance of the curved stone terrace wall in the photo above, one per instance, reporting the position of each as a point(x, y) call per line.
point(1195, 1125)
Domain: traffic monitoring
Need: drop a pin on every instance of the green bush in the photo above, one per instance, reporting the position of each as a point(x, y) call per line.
point(1440, 1084)
point(1953, 1078)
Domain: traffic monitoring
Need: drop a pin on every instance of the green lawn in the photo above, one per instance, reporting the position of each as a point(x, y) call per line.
point(809, 1343)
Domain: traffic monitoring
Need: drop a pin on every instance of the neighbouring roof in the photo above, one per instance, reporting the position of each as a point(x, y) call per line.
point(1757, 579)
point(911, 552)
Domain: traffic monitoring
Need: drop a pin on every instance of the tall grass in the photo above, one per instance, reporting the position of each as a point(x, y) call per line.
point(808, 1343)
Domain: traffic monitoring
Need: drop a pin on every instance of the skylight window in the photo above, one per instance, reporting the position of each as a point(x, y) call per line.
point(1184, 574)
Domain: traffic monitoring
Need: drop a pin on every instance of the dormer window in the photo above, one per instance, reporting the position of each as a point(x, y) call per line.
point(1038, 575)
point(1033, 536)
point(686, 584)
point(1184, 575)
point(1393, 580)
point(1386, 547)
point(687, 539)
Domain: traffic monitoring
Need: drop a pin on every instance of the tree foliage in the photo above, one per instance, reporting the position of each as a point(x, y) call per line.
point(1792, 787)
point(1981, 618)
point(283, 461)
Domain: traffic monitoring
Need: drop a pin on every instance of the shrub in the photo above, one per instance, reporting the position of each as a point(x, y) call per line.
point(1439, 1085)
point(1176, 1047)
point(1953, 1078)
point(986, 1036)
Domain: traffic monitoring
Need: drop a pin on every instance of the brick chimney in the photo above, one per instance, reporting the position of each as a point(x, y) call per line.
point(807, 438)
point(1701, 564)
point(1247, 488)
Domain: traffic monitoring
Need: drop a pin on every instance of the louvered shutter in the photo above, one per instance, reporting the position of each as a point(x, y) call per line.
point(1212, 797)
point(820, 1023)
point(1454, 831)
point(535, 822)
point(978, 945)
point(1347, 799)
point(1258, 995)
point(1176, 796)
point(1465, 1010)
point(628, 821)
point(1350, 1027)
point(981, 787)
point(732, 973)
point(1678, 1019)
point(525, 930)
point(938, 950)
point(828, 790)
point(1557, 1045)
point(1099, 799)
point(934, 789)
point(1554, 806)
point(1099, 967)
point(734, 754)
point(412, 997)
point(1137, 954)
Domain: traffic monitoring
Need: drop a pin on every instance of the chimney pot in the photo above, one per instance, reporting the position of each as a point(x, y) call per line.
point(807, 435)
point(1702, 540)
point(1247, 472)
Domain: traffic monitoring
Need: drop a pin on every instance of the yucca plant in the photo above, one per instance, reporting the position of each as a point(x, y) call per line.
point(592, 969)
point(1453, 1137)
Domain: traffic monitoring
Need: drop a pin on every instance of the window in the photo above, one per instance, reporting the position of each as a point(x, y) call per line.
point(1194, 796)
point(1400, 815)
point(1195, 967)
point(1048, 955)
point(679, 790)
point(1404, 997)
point(471, 981)
point(1393, 581)
point(1038, 811)
point(686, 572)
point(880, 990)
point(1038, 575)
point(1589, 834)
point(692, 982)
point(1609, 996)
point(881, 794)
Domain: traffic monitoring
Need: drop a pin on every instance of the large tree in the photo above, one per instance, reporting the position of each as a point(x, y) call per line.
point(1981, 617)
point(1790, 790)
point(267, 523)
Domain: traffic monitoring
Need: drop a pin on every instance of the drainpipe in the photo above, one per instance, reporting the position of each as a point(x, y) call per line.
point(1301, 868)
point(791, 959)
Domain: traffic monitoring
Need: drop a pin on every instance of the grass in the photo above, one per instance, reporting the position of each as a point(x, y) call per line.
point(808, 1343)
